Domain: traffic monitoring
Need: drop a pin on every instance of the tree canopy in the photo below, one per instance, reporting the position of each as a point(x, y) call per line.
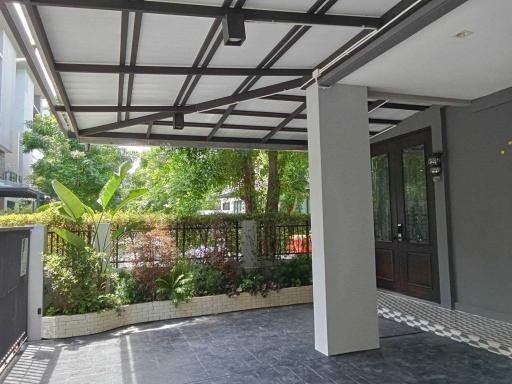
point(82, 168)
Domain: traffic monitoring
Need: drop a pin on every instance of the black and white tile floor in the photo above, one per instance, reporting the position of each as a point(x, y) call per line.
point(491, 335)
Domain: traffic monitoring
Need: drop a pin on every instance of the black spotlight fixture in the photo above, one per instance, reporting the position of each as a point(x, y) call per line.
point(178, 121)
point(233, 29)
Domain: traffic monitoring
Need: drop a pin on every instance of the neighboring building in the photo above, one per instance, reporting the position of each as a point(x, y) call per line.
point(19, 100)
point(228, 204)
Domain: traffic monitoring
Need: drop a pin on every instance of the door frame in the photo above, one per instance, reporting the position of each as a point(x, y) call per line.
point(423, 135)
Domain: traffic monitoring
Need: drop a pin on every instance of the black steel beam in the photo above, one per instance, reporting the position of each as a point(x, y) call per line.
point(238, 127)
point(284, 123)
point(122, 59)
point(200, 107)
point(292, 98)
point(37, 22)
point(137, 24)
point(165, 108)
point(299, 144)
point(374, 105)
point(384, 121)
point(180, 9)
point(161, 70)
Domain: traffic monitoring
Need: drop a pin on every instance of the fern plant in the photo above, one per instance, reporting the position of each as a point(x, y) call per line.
point(178, 285)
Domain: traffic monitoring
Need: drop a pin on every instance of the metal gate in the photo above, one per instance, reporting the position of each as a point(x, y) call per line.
point(14, 244)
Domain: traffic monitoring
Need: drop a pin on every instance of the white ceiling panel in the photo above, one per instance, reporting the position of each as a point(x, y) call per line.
point(213, 87)
point(261, 39)
point(163, 130)
point(88, 120)
point(91, 88)
point(83, 35)
point(268, 105)
point(298, 123)
point(240, 133)
point(363, 7)
point(134, 129)
point(434, 62)
point(378, 127)
point(394, 114)
point(281, 5)
point(316, 45)
point(202, 118)
point(171, 40)
point(290, 136)
point(156, 89)
point(249, 120)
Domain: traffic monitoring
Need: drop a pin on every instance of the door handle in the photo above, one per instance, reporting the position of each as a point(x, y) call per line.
point(400, 232)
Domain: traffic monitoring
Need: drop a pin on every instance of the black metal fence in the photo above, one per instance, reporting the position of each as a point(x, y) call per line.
point(199, 241)
point(283, 241)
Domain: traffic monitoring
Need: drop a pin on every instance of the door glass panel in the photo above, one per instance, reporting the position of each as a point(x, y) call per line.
point(381, 198)
point(415, 194)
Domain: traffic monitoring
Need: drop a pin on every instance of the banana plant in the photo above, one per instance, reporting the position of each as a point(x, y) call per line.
point(74, 210)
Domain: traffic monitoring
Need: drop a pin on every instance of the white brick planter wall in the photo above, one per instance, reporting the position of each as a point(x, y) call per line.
point(57, 327)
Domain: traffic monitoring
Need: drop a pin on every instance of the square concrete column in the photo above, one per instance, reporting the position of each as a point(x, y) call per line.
point(344, 285)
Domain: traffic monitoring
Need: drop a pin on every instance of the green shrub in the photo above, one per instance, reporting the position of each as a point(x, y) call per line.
point(178, 285)
point(294, 273)
point(127, 289)
point(252, 283)
point(208, 281)
point(79, 282)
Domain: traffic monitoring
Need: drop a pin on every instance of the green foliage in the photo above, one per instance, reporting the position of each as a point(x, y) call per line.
point(252, 283)
point(84, 169)
point(208, 281)
point(178, 285)
point(127, 289)
point(79, 282)
point(294, 273)
point(182, 181)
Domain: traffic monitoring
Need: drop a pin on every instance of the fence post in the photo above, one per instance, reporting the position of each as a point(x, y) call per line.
point(102, 242)
point(249, 244)
point(37, 247)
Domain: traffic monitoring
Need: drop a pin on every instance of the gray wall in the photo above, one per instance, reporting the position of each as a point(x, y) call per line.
point(480, 201)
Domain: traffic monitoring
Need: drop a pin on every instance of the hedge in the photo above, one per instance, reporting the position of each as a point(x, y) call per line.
point(51, 218)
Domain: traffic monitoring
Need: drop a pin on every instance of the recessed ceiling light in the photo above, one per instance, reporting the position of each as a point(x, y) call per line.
point(463, 34)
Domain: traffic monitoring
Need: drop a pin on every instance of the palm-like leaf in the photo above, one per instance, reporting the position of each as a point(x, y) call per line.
point(70, 238)
point(109, 189)
point(71, 204)
point(134, 194)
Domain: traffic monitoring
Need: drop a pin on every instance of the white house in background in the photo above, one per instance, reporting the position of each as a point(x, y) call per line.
point(19, 100)
point(228, 204)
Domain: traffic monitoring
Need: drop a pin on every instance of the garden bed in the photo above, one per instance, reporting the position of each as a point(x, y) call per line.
point(56, 327)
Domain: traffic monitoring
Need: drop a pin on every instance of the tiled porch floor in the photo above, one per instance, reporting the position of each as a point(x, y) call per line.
point(263, 346)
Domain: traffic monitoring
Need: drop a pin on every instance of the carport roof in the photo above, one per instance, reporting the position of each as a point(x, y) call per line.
point(124, 70)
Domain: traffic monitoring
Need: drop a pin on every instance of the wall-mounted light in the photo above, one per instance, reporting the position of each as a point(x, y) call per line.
point(434, 164)
point(178, 121)
point(233, 29)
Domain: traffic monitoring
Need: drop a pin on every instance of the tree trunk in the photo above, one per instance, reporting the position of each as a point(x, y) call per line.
point(274, 183)
point(248, 182)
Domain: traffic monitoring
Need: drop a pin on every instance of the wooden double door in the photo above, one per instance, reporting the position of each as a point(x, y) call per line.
point(404, 216)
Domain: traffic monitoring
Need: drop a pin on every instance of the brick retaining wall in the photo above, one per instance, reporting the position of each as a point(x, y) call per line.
point(56, 327)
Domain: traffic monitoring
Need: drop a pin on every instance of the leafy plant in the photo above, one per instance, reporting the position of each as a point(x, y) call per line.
point(178, 285)
point(294, 273)
point(252, 283)
point(79, 283)
point(208, 281)
point(74, 210)
point(127, 289)
point(152, 258)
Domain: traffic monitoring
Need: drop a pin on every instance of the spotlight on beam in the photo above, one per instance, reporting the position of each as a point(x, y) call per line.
point(178, 121)
point(233, 29)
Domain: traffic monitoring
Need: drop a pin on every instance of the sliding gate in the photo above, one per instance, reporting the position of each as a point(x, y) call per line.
point(13, 290)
